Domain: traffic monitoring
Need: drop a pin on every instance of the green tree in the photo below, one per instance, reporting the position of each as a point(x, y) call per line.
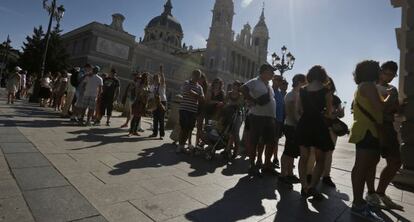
point(33, 50)
point(31, 58)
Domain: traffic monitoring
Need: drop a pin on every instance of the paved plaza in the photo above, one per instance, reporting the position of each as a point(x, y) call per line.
point(52, 170)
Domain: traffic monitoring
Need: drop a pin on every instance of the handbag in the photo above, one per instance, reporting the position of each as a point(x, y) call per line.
point(382, 138)
point(263, 99)
point(339, 127)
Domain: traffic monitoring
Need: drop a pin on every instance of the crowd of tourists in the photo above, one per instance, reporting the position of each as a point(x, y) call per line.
point(308, 116)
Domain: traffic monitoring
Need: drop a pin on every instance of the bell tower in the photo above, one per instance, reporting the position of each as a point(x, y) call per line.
point(220, 38)
point(261, 38)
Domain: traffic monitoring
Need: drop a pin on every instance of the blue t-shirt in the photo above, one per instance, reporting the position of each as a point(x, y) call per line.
point(280, 106)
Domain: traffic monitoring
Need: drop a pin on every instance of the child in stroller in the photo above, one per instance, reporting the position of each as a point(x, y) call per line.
point(216, 133)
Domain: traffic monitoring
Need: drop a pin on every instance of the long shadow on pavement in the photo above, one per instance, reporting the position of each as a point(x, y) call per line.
point(35, 123)
point(242, 201)
point(101, 135)
point(164, 156)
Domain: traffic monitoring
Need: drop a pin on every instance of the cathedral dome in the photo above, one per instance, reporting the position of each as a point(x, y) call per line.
point(166, 20)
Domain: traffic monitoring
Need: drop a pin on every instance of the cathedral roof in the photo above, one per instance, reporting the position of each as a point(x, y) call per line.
point(166, 19)
point(262, 22)
point(261, 26)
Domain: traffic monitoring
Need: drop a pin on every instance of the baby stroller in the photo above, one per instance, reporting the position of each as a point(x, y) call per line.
point(216, 134)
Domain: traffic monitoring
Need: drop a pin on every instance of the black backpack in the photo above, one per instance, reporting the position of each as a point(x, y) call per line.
point(74, 79)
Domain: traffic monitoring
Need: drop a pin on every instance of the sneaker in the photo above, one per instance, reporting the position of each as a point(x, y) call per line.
point(315, 194)
point(152, 136)
point(286, 182)
point(259, 164)
point(276, 163)
point(141, 130)
point(373, 199)
point(390, 204)
point(328, 182)
point(293, 179)
point(190, 147)
point(366, 213)
point(97, 123)
point(124, 126)
point(234, 156)
point(270, 171)
point(254, 171)
point(108, 123)
point(304, 194)
point(285, 179)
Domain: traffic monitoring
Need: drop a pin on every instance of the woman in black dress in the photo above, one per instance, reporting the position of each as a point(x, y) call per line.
point(215, 99)
point(312, 131)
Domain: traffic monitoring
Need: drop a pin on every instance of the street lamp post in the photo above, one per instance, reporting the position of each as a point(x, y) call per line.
point(285, 63)
point(57, 14)
point(5, 60)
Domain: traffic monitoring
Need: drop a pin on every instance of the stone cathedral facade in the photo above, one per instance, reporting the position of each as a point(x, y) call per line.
point(226, 55)
point(234, 57)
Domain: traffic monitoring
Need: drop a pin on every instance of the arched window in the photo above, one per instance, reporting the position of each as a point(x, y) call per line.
point(256, 41)
point(211, 64)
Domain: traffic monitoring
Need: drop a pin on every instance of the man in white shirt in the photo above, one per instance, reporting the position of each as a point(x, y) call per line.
point(260, 95)
point(92, 87)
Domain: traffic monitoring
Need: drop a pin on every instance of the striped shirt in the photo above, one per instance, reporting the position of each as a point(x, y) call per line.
point(188, 102)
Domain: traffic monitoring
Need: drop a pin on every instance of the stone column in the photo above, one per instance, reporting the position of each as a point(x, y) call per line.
point(405, 39)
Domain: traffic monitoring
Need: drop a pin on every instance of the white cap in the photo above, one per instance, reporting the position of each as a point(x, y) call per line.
point(18, 69)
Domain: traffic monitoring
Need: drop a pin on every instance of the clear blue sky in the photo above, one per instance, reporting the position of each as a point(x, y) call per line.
point(333, 33)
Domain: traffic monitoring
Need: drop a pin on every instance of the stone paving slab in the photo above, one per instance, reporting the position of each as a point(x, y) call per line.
point(25, 160)
point(8, 189)
point(14, 210)
point(92, 219)
point(136, 179)
point(206, 194)
point(17, 147)
point(166, 206)
point(84, 180)
point(14, 139)
point(124, 212)
point(47, 195)
point(110, 194)
point(9, 131)
point(5, 174)
point(38, 178)
point(164, 184)
point(58, 204)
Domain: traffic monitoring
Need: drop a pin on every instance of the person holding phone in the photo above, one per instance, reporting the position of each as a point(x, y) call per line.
point(158, 93)
point(192, 95)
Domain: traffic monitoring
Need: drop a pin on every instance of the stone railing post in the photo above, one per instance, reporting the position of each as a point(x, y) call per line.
point(405, 39)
